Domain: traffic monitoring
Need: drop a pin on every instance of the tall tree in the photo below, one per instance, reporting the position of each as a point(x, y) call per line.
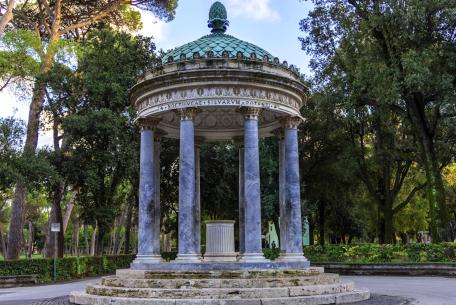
point(397, 53)
point(101, 132)
point(52, 21)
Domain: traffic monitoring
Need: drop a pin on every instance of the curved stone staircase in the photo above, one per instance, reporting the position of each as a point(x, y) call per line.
point(260, 287)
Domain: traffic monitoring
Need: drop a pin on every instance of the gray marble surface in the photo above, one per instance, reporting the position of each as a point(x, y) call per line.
point(292, 191)
point(188, 243)
point(146, 196)
point(252, 188)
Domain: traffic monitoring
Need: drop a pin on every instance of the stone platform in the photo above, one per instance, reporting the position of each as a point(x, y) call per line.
point(310, 286)
point(219, 266)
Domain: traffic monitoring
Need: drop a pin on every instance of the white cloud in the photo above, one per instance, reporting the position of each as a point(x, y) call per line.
point(152, 26)
point(258, 9)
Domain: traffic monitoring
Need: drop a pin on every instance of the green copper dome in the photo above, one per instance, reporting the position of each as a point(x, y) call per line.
point(217, 44)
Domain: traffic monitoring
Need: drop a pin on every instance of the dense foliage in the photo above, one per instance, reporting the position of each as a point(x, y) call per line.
point(69, 268)
point(377, 147)
point(374, 253)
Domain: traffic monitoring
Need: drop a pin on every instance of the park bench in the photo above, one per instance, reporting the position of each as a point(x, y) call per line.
point(18, 280)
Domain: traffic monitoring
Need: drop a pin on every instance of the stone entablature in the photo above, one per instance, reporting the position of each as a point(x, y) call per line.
point(219, 89)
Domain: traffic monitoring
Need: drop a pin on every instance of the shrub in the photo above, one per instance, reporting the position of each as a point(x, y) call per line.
point(67, 268)
point(375, 253)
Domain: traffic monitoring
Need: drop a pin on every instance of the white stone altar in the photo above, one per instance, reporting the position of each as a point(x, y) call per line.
point(220, 241)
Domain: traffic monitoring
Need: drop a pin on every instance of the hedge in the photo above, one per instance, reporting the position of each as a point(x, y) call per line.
point(68, 268)
point(375, 253)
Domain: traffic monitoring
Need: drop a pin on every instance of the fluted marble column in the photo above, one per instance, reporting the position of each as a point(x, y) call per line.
point(188, 249)
point(252, 197)
point(293, 246)
point(148, 252)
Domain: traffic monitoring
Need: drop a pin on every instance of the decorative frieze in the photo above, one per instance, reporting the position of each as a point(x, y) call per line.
point(217, 96)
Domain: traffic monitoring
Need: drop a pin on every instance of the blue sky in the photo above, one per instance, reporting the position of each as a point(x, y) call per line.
point(270, 24)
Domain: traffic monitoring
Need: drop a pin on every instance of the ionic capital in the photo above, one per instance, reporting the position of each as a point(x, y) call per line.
point(188, 113)
point(148, 123)
point(291, 122)
point(250, 113)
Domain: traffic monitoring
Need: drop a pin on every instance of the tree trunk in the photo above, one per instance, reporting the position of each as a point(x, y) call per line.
point(112, 236)
point(122, 219)
point(75, 236)
point(380, 223)
point(388, 213)
point(122, 242)
point(100, 241)
point(440, 218)
point(86, 239)
point(30, 240)
point(134, 248)
point(31, 141)
point(7, 16)
point(311, 233)
point(128, 229)
point(55, 217)
point(2, 240)
point(68, 211)
point(93, 239)
point(321, 222)
point(16, 223)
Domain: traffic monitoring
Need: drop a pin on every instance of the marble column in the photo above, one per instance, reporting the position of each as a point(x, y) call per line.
point(157, 211)
point(293, 246)
point(198, 142)
point(148, 252)
point(240, 142)
point(187, 231)
point(282, 210)
point(252, 197)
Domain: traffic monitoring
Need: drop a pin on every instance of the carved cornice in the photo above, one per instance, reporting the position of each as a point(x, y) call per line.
point(291, 122)
point(250, 113)
point(148, 123)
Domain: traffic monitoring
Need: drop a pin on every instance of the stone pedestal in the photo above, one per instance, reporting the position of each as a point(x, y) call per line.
point(220, 241)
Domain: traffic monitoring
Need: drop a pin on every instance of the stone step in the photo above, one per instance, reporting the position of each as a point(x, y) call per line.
point(220, 293)
point(143, 274)
point(82, 298)
point(266, 282)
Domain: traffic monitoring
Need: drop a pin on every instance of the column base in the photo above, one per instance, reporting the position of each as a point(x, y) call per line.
point(188, 258)
point(253, 258)
point(220, 257)
point(291, 257)
point(148, 259)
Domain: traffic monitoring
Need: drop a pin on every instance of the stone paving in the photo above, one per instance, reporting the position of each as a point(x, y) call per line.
point(375, 300)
